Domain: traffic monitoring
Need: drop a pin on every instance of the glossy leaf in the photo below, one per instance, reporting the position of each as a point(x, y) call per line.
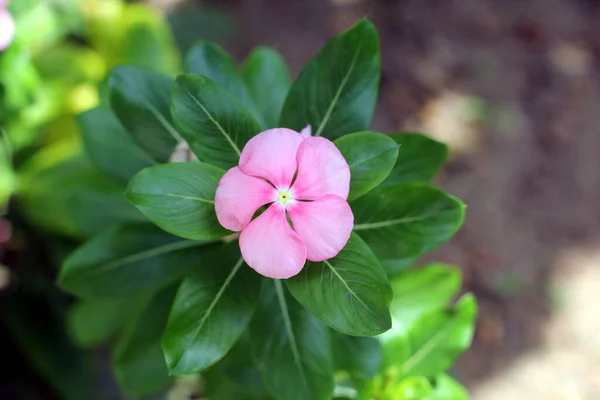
point(419, 159)
point(422, 290)
point(138, 358)
point(291, 348)
point(109, 145)
point(337, 91)
point(268, 80)
point(139, 97)
point(95, 321)
point(212, 308)
point(359, 356)
point(349, 292)
point(210, 60)
point(371, 156)
point(126, 260)
point(213, 122)
point(403, 221)
point(179, 198)
point(434, 342)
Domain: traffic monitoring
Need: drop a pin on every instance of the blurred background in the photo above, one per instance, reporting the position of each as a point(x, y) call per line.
point(513, 88)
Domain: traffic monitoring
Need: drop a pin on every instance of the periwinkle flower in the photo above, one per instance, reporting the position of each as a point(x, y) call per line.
point(304, 181)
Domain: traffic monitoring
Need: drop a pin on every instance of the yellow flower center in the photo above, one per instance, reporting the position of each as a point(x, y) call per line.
point(284, 197)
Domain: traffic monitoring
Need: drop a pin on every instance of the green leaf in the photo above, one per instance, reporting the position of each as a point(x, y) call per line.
point(359, 356)
point(434, 342)
point(75, 199)
point(420, 291)
point(337, 91)
point(371, 157)
point(140, 99)
point(210, 60)
point(125, 260)
point(394, 267)
point(146, 40)
point(349, 292)
point(95, 321)
point(268, 80)
point(413, 387)
point(212, 308)
point(213, 122)
point(419, 159)
point(291, 348)
point(446, 388)
point(403, 221)
point(138, 358)
point(109, 146)
point(179, 198)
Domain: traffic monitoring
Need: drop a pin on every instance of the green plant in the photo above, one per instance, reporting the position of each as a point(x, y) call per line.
point(177, 299)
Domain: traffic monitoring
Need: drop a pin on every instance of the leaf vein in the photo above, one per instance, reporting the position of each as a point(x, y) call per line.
point(349, 289)
point(339, 91)
point(214, 121)
point(288, 327)
point(214, 302)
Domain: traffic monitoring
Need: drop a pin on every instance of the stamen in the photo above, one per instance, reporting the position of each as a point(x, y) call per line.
point(284, 196)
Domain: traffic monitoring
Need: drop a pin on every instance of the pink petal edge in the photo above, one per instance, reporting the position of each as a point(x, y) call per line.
point(272, 155)
point(271, 247)
point(322, 170)
point(306, 132)
point(238, 197)
point(325, 225)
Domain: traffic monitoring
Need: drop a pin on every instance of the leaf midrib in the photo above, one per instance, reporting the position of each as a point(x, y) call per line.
point(339, 91)
point(425, 350)
point(288, 327)
point(214, 121)
point(146, 254)
point(349, 289)
point(397, 221)
point(163, 121)
point(175, 195)
point(372, 157)
point(217, 298)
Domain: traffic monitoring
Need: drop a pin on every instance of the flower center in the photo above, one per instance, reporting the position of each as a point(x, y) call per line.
point(284, 196)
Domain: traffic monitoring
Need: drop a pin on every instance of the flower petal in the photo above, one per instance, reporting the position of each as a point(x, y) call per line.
point(239, 196)
point(306, 132)
point(272, 155)
point(325, 225)
point(271, 247)
point(322, 170)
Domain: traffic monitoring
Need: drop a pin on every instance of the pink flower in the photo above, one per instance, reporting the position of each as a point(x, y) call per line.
point(303, 178)
point(7, 26)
